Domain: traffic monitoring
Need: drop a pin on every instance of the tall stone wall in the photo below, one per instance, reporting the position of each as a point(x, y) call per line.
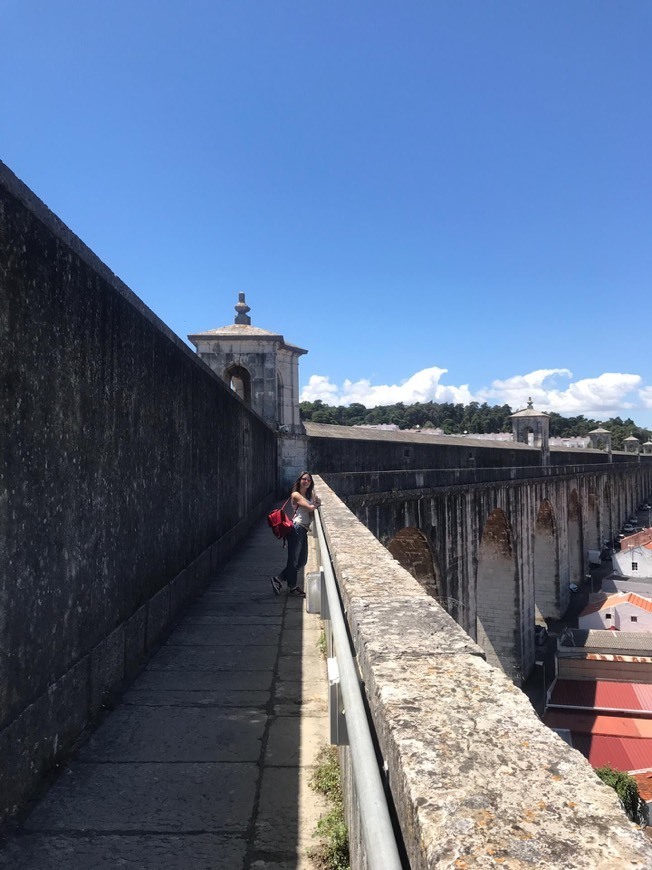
point(128, 473)
point(345, 449)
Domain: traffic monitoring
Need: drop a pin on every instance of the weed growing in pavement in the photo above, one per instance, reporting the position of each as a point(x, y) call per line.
point(333, 851)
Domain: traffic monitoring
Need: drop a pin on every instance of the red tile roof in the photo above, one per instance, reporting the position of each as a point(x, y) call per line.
point(623, 743)
point(616, 600)
point(618, 752)
point(644, 783)
point(602, 695)
point(636, 540)
point(597, 724)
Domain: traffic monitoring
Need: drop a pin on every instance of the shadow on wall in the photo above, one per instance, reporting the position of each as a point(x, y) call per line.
point(128, 483)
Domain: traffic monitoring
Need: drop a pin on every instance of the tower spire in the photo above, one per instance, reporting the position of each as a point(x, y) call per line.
point(242, 309)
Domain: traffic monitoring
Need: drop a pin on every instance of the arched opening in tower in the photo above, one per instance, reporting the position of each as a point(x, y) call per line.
point(239, 380)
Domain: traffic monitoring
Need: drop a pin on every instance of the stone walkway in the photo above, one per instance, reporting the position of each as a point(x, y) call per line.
point(206, 762)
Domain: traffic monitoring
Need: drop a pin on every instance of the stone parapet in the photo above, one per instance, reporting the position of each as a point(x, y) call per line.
point(476, 779)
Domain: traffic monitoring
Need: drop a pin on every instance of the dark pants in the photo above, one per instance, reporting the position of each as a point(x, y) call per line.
point(297, 542)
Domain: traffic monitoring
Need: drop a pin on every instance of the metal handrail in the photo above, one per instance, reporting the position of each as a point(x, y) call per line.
point(377, 829)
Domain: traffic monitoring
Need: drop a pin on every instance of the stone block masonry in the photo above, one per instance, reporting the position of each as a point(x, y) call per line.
point(475, 777)
point(129, 473)
point(206, 762)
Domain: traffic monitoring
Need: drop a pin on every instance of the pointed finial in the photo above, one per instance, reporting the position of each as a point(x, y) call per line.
point(242, 311)
point(529, 403)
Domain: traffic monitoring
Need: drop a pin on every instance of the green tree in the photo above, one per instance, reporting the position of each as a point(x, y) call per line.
point(354, 414)
point(456, 418)
point(627, 790)
point(324, 415)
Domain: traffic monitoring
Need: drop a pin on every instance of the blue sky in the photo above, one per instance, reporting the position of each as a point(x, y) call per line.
point(439, 200)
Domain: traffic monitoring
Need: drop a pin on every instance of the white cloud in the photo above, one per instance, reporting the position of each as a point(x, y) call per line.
point(320, 387)
point(424, 386)
point(608, 394)
point(646, 397)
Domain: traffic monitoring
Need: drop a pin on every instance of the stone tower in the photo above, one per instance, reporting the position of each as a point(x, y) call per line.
point(631, 444)
point(263, 370)
point(601, 440)
point(533, 427)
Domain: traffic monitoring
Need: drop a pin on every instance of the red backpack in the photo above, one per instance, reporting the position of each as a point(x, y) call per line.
point(280, 523)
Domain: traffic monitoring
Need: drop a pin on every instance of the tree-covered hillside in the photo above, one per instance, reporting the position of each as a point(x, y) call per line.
point(457, 419)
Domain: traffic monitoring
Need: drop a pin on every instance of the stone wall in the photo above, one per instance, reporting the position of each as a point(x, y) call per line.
point(129, 471)
point(475, 778)
point(346, 449)
point(292, 455)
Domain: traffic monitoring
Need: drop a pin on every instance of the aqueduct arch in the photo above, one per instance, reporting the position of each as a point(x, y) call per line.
point(497, 596)
point(411, 549)
point(592, 527)
point(575, 539)
point(546, 563)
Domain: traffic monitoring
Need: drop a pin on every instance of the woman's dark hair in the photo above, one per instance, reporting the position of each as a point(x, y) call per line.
point(296, 486)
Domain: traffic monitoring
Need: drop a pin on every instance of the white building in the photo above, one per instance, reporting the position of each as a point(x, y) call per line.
point(624, 612)
point(635, 556)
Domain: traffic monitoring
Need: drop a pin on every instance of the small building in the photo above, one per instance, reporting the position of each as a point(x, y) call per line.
point(601, 700)
point(634, 559)
point(627, 612)
point(533, 428)
point(624, 656)
point(631, 444)
point(601, 439)
point(617, 583)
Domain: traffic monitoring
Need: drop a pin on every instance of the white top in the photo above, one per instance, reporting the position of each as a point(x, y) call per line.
point(302, 516)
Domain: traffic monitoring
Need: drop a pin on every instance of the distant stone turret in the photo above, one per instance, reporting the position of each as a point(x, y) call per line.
point(601, 440)
point(533, 428)
point(631, 444)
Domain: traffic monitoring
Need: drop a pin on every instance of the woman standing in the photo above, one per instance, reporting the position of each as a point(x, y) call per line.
point(304, 502)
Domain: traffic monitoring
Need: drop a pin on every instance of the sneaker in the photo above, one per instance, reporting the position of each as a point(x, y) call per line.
point(297, 592)
point(276, 585)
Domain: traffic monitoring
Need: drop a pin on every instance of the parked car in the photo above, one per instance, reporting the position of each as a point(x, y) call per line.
point(633, 520)
point(627, 529)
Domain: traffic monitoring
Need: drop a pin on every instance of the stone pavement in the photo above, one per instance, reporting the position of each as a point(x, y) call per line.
point(205, 763)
